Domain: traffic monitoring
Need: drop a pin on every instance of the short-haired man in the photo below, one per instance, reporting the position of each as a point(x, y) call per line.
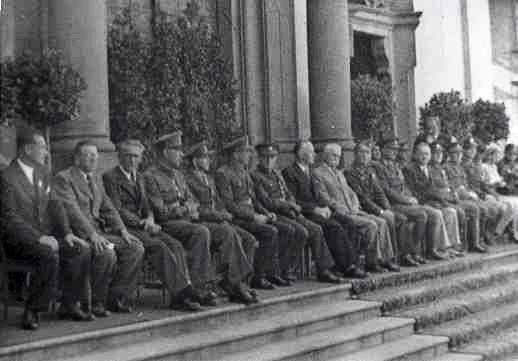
point(508, 168)
point(333, 191)
point(236, 188)
point(364, 181)
point(298, 178)
point(236, 255)
point(274, 195)
point(94, 218)
point(36, 230)
point(427, 220)
point(176, 210)
point(125, 186)
point(418, 176)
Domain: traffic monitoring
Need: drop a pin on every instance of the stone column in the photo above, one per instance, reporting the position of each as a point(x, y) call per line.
point(78, 28)
point(329, 72)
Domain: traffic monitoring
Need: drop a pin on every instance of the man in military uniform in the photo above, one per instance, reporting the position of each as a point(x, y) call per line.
point(176, 210)
point(332, 190)
point(94, 218)
point(125, 186)
point(364, 181)
point(212, 211)
point(468, 214)
point(236, 189)
point(427, 220)
point(499, 213)
point(298, 180)
point(459, 185)
point(274, 195)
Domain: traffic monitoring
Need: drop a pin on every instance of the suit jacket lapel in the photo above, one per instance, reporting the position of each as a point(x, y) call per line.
point(24, 182)
point(81, 183)
point(133, 190)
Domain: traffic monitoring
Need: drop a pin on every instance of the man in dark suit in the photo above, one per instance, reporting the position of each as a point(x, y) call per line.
point(298, 179)
point(35, 229)
point(94, 218)
point(233, 261)
point(125, 186)
point(274, 195)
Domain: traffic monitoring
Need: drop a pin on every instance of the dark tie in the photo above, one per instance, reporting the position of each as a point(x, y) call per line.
point(91, 184)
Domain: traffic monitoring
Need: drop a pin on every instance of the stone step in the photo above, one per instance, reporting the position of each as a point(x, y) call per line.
point(395, 298)
point(499, 255)
point(477, 325)
point(217, 318)
point(296, 347)
point(461, 305)
point(498, 346)
point(330, 343)
point(414, 347)
point(454, 356)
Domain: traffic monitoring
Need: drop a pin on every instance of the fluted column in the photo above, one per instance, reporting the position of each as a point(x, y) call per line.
point(78, 28)
point(329, 71)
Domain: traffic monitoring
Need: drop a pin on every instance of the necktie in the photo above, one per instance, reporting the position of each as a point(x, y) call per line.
point(91, 183)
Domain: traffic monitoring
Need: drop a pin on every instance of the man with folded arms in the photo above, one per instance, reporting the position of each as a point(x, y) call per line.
point(35, 230)
point(94, 218)
point(125, 186)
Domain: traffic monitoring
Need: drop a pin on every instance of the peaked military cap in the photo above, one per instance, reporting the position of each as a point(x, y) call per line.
point(131, 146)
point(391, 142)
point(454, 146)
point(404, 146)
point(470, 143)
point(436, 147)
point(241, 143)
point(267, 149)
point(199, 150)
point(170, 140)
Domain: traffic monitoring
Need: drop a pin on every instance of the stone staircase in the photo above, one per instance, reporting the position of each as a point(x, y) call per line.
point(437, 312)
point(473, 302)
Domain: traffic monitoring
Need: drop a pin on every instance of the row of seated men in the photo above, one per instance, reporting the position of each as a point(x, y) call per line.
point(238, 229)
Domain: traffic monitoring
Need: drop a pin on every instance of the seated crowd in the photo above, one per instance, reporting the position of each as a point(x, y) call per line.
point(236, 230)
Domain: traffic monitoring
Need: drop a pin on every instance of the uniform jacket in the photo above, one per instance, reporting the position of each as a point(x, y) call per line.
point(167, 192)
point(364, 181)
point(89, 211)
point(272, 191)
point(332, 189)
point(236, 188)
point(475, 179)
point(421, 185)
point(204, 190)
point(26, 211)
point(393, 181)
point(300, 186)
point(130, 198)
point(441, 183)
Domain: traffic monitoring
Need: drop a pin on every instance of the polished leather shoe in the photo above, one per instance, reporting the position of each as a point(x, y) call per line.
point(420, 259)
point(119, 306)
point(327, 277)
point(205, 298)
point(354, 272)
point(408, 261)
point(242, 295)
point(392, 267)
point(261, 284)
point(30, 320)
point(437, 256)
point(479, 249)
point(185, 304)
point(74, 313)
point(279, 281)
point(290, 277)
point(99, 310)
point(376, 268)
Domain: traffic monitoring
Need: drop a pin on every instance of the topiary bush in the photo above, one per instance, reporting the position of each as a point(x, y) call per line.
point(372, 108)
point(454, 113)
point(178, 78)
point(490, 122)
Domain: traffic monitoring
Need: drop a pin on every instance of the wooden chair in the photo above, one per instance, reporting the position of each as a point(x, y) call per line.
point(10, 266)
